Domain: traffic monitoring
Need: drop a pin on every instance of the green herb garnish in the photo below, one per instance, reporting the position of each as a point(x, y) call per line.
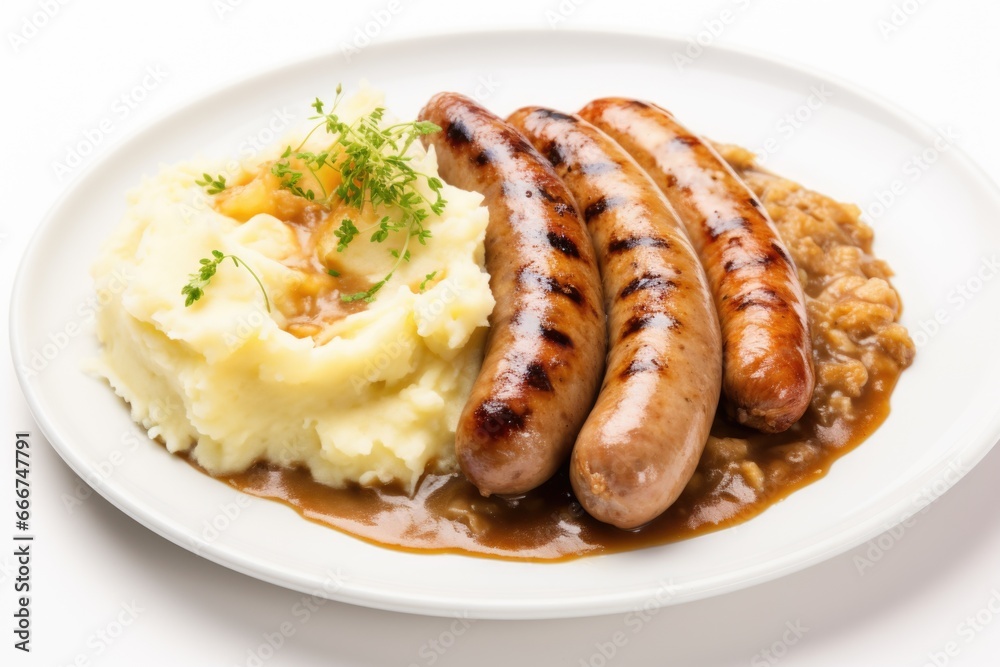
point(429, 277)
point(195, 289)
point(213, 185)
point(374, 170)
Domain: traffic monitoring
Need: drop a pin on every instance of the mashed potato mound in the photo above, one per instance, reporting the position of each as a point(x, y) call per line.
point(374, 399)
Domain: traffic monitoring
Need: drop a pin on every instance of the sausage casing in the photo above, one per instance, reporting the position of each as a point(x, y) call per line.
point(547, 341)
point(768, 376)
point(642, 441)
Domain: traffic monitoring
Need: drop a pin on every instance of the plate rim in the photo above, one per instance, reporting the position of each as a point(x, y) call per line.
point(527, 608)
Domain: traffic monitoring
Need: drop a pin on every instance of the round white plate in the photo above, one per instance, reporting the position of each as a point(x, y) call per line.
point(934, 215)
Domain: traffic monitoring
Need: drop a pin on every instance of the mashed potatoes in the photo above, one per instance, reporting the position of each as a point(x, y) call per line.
point(355, 392)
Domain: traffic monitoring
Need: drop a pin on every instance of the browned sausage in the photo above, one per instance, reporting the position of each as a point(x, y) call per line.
point(767, 357)
point(546, 346)
point(642, 441)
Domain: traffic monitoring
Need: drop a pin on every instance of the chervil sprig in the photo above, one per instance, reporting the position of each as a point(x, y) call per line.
point(374, 170)
point(195, 289)
point(213, 185)
point(429, 277)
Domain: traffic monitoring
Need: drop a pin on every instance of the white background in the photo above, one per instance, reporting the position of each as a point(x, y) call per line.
point(94, 567)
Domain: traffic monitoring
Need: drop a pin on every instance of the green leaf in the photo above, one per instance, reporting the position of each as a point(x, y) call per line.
point(429, 277)
point(213, 185)
point(375, 171)
point(195, 289)
point(346, 232)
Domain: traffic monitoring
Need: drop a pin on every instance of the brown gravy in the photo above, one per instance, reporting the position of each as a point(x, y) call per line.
point(314, 302)
point(859, 351)
point(447, 514)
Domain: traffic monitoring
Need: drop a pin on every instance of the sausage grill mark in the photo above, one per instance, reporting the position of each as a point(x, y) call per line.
point(644, 366)
point(556, 337)
point(595, 209)
point(687, 140)
point(458, 133)
point(763, 261)
point(648, 321)
point(650, 282)
point(601, 205)
point(555, 115)
point(563, 244)
point(517, 143)
point(554, 155)
point(484, 157)
point(781, 252)
point(623, 245)
point(496, 419)
point(548, 196)
point(529, 278)
point(536, 377)
point(569, 291)
point(763, 297)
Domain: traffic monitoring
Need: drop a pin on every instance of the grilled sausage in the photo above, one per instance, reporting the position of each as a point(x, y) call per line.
point(767, 357)
point(642, 441)
point(547, 342)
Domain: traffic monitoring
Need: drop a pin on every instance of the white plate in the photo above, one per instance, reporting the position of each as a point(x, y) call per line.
point(938, 235)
